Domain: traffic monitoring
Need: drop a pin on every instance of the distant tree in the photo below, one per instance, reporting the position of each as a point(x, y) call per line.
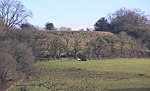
point(97, 48)
point(76, 46)
point(145, 35)
point(65, 28)
point(36, 40)
point(27, 26)
point(55, 46)
point(66, 39)
point(13, 13)
point(136, 48)
point(89, 50)
point(124, 38)
point(129, 46)
point(128, 20)
point(102, 25)
point(49, 26)
point(112, 41)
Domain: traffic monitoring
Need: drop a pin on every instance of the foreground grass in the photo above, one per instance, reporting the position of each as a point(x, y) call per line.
point(104, 75)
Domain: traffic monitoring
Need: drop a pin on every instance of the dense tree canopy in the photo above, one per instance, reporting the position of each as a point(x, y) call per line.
point(49, 26)
point(132, 21)
point(128, 21)
point(102, 25)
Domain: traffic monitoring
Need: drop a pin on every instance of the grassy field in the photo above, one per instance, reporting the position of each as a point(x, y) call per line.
point(104, 75)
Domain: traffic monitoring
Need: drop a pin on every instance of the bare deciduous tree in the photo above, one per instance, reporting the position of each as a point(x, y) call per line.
point(7, 67)
point(56, 46)
point(13, 13)
point(20, 53)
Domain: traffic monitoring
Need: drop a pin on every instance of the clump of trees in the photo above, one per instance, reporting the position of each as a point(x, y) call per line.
point(16, 56)
point(89, 45)
point(49, 26)
point(131, 21)
point(16, 59)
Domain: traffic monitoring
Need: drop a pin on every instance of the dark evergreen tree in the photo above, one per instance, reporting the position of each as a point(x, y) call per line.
point(102, 25)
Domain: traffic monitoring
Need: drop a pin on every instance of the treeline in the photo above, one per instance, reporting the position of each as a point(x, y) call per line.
point(52, 45)
point(131, 21)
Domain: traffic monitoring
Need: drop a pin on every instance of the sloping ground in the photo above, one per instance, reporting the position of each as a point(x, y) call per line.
point(104, 75)
point(81, 34)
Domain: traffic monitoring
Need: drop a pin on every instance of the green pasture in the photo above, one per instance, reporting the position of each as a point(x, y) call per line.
point(100, 75)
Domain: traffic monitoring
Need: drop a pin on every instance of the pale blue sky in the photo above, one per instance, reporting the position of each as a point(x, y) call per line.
point(78, 14)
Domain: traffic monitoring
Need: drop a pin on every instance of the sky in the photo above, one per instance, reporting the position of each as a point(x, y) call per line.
point(77, 14)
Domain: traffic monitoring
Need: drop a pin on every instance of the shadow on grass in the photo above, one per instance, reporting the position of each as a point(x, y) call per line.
point(132, 89)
